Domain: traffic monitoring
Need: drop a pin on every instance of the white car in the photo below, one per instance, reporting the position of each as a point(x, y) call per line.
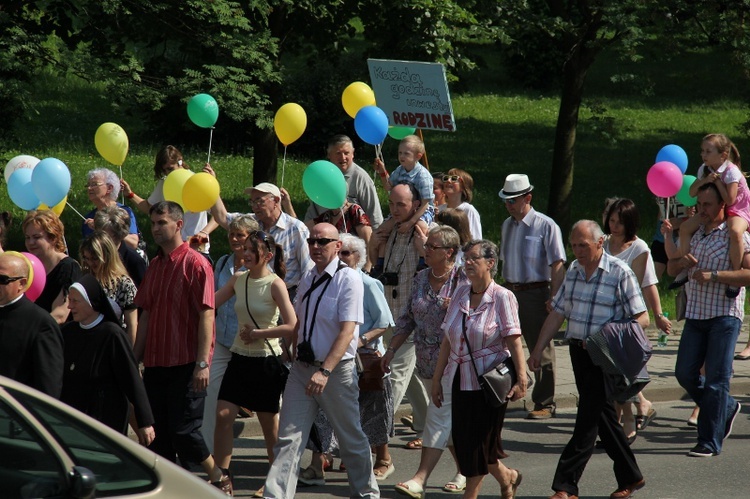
point(48, 449)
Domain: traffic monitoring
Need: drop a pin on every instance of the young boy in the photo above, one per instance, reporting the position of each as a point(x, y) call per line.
point(410, 151)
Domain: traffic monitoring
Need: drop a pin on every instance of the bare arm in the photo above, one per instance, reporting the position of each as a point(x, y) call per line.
point(60, 309)
point(653, 303)
point(550, 327)
point(131, 240)
point(519, 362)
point(131, 323)
point(736, 278)
point(140, 338)
point(219, 214)
point(642, 319)
point(639, 266)
point(140, 203)
point(205, 339)
point(226, 291)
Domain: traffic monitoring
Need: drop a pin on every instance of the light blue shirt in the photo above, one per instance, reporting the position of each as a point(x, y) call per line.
point(377, 314)
point(226, 320)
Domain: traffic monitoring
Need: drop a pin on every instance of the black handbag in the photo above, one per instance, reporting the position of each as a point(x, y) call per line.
point(283, 369)
point(495, 383)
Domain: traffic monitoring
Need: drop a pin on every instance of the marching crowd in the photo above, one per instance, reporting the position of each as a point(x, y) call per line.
point(321, 325)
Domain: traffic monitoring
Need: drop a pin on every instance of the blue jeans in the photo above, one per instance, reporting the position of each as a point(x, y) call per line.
point(710, 342)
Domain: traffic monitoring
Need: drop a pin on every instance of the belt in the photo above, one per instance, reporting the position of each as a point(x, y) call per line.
point(523, 286)
point(577, 342)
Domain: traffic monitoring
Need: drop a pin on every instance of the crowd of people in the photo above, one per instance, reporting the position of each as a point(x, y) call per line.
point(320, 326)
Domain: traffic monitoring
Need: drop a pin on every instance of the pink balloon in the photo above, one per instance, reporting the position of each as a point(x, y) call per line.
point(40, 277)
point(664, 179)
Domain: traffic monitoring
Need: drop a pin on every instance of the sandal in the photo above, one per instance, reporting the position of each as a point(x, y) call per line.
point(382, 463)
point(456, 485)
point(510, 492)
point(259, 492)
point(642, 421)
point(415, 444)
point(410, 488)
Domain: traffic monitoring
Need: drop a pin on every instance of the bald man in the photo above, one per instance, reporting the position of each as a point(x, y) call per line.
point(31, 344)
point(329, 308)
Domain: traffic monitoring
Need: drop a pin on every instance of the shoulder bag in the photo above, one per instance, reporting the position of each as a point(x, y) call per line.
point(281, 370)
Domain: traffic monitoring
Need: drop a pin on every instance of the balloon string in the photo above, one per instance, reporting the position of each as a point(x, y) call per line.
point(346, 231)
point(77, 212)
point(667, 210)
point(122, 194)
point(283, 168)
point(210, 141)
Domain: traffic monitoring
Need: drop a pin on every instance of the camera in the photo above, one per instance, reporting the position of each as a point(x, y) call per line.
point(388, 278)
point(305, 352)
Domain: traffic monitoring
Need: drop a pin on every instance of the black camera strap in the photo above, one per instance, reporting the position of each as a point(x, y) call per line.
point(325, 278)
point(403, 258)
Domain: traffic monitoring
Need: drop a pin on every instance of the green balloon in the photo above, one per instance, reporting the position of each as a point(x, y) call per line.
point(683, 195)
point(203, 110)
point(399, 132)
point(324, 184)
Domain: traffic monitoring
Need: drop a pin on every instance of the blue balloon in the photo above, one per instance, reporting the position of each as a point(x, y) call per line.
point(371, 124)
point(673, 154)
point(51, 181)
point(20, 190)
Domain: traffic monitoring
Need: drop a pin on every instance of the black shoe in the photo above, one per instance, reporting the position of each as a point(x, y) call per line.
point(700, 451)
point(730, 421)
point(732, 292)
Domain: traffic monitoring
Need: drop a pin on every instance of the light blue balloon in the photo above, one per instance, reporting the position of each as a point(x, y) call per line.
point(51, 181)
point(20, 190)
point(673, 154)
point(371, 124)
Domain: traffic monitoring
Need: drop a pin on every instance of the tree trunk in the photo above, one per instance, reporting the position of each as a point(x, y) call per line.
point(265, 155)
point(561, 186)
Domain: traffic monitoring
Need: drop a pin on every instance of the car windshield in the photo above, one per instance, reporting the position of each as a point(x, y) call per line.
point(117, 472)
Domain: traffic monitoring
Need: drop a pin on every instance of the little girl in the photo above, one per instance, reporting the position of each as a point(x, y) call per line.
point(721, 165)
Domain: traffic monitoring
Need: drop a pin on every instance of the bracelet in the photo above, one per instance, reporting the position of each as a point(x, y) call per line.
point(203, 232)
point(390, 349)
point(384, 174)
point(131, 195)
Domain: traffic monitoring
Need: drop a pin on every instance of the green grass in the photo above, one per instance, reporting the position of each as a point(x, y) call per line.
point(501, 129)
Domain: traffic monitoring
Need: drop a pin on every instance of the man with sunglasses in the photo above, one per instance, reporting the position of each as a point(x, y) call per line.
point(329, 309)
point(31, 344)
point(533, 255)
point(289, 232)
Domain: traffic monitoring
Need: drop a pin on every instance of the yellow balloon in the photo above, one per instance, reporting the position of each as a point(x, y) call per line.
point(175, 183)
point(200, 192)
point(58, 208)
point(356, 96)
point(112, 143)
point(30, 279)
point(290, 123)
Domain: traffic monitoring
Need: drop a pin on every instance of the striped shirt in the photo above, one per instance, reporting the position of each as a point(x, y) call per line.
point(611, 294)
point(708, 300)
point(291, 234)
point(487, 326)
point(529, 247)
point(175, 289)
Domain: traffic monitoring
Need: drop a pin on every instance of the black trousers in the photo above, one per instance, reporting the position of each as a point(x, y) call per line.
point(178, 414)
point(596, 416)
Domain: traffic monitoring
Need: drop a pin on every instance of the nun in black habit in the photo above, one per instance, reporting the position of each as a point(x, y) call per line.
point(101, 375)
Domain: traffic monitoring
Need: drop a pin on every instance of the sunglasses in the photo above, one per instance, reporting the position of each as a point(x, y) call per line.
point(451, 178)
point(347, 252)
point(320, 241)
point(262, 237)
point(513, 201)
point(6, 279)
point(429, 246)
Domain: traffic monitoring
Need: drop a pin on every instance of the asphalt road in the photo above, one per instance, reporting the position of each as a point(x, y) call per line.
point(534, 448)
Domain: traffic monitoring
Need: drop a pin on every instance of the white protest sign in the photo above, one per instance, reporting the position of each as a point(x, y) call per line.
point(412, 94)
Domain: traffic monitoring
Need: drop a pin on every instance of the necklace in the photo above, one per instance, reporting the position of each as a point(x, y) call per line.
point(480, 292)
point(432, 271)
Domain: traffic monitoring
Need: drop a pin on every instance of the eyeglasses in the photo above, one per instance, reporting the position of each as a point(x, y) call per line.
point(469, 259)
point(263, 237)
point(94, 185)
point(429, 246)
point(347, 252)
point(259, 201)
point(451, 178)
point(320, 241)
point(5, 279)
point(513, 201)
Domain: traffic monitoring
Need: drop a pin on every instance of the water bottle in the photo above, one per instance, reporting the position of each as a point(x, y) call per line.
point(663, 337)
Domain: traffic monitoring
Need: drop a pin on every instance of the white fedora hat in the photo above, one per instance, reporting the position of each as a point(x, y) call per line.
point(516, 184)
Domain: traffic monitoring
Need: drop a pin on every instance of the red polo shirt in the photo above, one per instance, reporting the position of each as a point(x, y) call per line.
point(175, 289)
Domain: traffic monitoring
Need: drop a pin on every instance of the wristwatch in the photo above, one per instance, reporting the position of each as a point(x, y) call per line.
point(202, 364)
point(714, 275)
point(325, 371)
